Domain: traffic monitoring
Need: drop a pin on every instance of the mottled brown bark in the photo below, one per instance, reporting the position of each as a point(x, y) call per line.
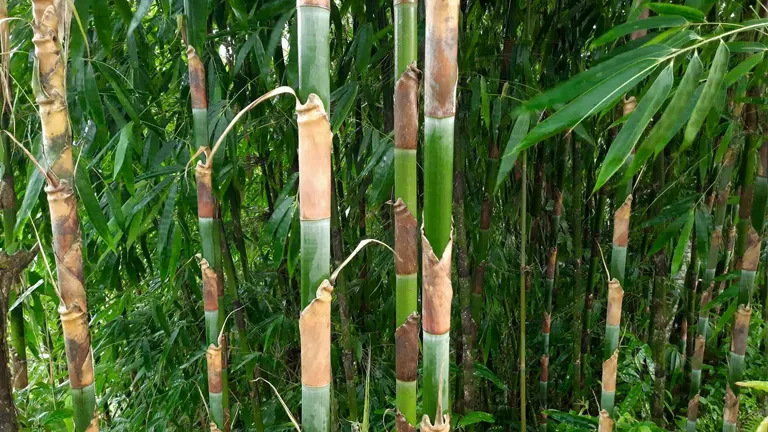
point(402, 424)
point(741, 330)
point(196, 80)
point(437, 291)
point(407, 349)
point(407, 108)
point(606, 423)
point(442, 44)
point(693, 408)
point(731, 408)
point(609, 372)
point(11, 266)
point(615, 298)
point(621, 223)
point(406, 240)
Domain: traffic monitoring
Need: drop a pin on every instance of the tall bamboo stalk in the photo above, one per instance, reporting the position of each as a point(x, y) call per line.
point(441, 75)
point(578, 292)
point(210, 239)
point(659, 309)
point(51, 25)
point(315, 211)
point(8, 199)
point(314, 78)
point(406, 227)
point(715, 243)
point(523, 277)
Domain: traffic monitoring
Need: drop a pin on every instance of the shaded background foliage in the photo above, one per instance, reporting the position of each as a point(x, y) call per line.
point(129, 102)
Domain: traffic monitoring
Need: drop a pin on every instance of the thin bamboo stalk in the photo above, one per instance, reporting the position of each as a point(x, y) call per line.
point(406, 227)
point(578, 292)
point(441, 77)
point(49, 83)
point(210, 239)
point(523, 277)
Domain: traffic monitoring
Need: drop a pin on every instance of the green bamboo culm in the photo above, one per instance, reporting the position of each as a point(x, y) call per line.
point(722, 193)
point(578, 291)
point(210, 239)
point(48, 82)
point(441, 75)
point(315, 141)
point(523, 282)
point(315, 204)
point(406, 117)
point(314, 78)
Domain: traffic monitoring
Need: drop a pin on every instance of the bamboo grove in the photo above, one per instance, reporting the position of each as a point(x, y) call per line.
point(369, 215)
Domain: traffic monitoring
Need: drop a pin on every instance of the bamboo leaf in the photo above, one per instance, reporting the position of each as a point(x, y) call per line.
point(636, 123)
point(589, 103)
point(34, 184)
point(745, 47)
point(682, 242)
point(671, 120)
point(687, 12)
point(475, 417)
point(141, 11)
point(667, 234)
point(165, 219)
point(730, 293)
point(759, 385)
point(92, 208)
point(124, 151)
point(197, 22)
point(486, 104)
point(507, 161)
point(643, 24)
point(345, 98)
point(743, 68)
point(590, 78)
point(707, 98)
point(102, 21)
point(364, 42)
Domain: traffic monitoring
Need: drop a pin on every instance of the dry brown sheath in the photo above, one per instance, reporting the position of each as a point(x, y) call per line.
point(731, 408)
point(206, 203)
point(547, 324)
point(621, 223)
point(606, 423)
point(544, 364)
point(441, 66)
point(485, 213)
point(440, 426)
point(437, 291)
point(407, 108)
point(77, 342)
point(557, 208)
point(406, 237)
point(615, 297)
point(751, 252)
point(551, 263)
point(325, 4)
point(407, 349)
point(196, 80)
point(693, 409)
point(402, 424)
point(741, 330)
point(214, 358)
point(210, 287)
point(315, 330)
point(698, 352)
point(609, 372)
point(314, 159)
point(745, 202)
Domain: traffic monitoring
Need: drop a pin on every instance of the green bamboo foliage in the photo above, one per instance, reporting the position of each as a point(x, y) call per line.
point(315, 211)
point(406, 117)
point(210, 238)
point(441, 76)
point(48, 82)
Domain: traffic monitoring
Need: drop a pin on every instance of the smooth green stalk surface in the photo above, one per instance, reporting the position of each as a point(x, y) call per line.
point(406, 297)
point(83, 404)
point(438, 181)
point(406, 399)
point(436, 358)
point(523, 240)
point(314, 54)
point(315, 257)
point(406, 47)
point(315, 404)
